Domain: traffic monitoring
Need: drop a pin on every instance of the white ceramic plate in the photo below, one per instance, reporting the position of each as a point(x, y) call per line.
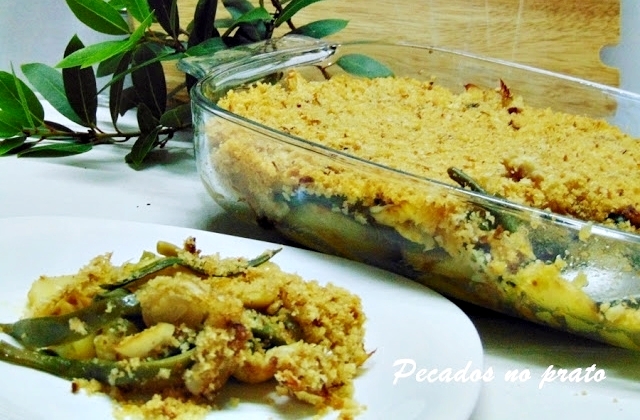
point(405, 321)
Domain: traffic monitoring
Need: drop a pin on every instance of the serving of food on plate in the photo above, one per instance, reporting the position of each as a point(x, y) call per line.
point(501, 185)
point(177, 333)
point(164, 334)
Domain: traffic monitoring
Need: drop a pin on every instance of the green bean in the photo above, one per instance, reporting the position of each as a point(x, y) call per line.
point(263, 258)
point(118, 373)
point(48, 331)
point(167, 262)
point(465, 181)
point(274, 332)
point(151, 268)
point(268, 336)
point(39, 332)
point(508, 222)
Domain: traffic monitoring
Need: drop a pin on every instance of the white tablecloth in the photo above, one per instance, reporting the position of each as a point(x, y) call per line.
point(99, 184)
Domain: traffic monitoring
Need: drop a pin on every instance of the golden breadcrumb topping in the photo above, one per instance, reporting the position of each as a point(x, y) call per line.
point(565, 163)
point(204, 321)
point(488, 140)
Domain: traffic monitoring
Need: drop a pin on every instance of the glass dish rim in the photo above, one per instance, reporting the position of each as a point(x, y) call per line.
point(199, 98)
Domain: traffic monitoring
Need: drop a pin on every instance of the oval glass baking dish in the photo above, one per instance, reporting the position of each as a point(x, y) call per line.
point(455, 238)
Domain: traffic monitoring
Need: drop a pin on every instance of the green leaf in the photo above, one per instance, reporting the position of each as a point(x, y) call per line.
point(141, 148)
point(177, 117)
point(224, 23)
point(162, 54)
point(149, 80)
point(258, 14)
point(117, 4)
point(19, 106)
point(20, 101)
point(321, 28)
point(140, 30)
point(209, 46)
point(203, 22)
point(7, 145)
point(109, 66)
point(57, 126)
point(99, 16)
point(56, 150)
point(291, 9)
point(237, 8)
point(117, 87)
point(146, 120)
point(9, 125)
point(31, 105)
point(250, 32)
point(80, 87)
point(166, 12)
point(139, 9)
point(9, 99)
point(128, 100)
point(362, 65)
point(48, 81)
point(96, 53)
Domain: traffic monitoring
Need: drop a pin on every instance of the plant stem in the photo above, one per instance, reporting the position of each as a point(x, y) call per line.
point(95, 136)
point(278, 6)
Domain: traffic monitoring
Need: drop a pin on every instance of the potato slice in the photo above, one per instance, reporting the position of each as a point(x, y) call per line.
point(145, 342)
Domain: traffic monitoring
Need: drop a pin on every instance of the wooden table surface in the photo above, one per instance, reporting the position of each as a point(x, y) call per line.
point(559, 35)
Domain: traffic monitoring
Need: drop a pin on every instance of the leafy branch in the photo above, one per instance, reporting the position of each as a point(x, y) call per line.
point(146, 36)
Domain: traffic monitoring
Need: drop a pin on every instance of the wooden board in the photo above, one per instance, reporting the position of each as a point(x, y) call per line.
point(559, 35)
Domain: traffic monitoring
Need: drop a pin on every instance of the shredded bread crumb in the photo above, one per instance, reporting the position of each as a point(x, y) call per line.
point(568, 164)
point(228, 319)
point(557, 162)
